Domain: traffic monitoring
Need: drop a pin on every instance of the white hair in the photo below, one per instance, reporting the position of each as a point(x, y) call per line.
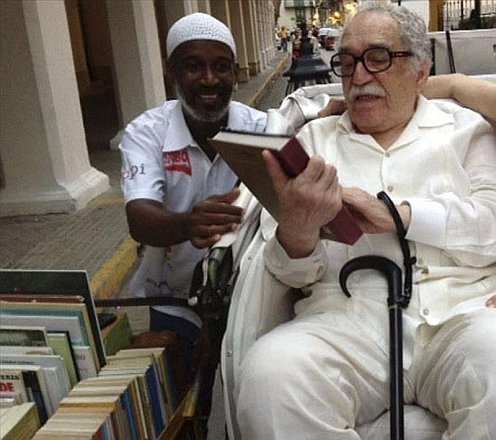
point(412, 29)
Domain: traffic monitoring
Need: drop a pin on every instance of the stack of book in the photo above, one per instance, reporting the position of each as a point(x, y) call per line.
point(132, 397)
point(47, 346)
point(49, 337)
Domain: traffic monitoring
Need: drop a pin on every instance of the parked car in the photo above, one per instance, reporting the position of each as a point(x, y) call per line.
point(328, 36)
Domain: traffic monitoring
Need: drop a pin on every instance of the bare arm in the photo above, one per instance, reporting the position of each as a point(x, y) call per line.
point(151, 224)
point(474, 93)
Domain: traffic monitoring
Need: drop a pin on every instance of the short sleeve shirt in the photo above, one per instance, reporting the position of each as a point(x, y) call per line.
point(161, 161)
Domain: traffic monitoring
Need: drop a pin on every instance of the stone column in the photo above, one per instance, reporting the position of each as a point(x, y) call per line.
point(238, 31)
point(251, 38)
point(220, 10)
point(176, 9)
point(204, 6)
point(44, 158)
point(259, 6)
point(270, 30)
point(137, 59)
point(265, 32)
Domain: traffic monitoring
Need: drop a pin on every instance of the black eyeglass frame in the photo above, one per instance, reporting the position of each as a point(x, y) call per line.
point(361, 58)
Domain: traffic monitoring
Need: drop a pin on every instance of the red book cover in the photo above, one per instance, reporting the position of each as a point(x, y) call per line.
point(294, 160)
point(243, 153)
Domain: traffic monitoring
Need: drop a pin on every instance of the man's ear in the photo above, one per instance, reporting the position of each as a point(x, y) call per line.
point(170, 69)
point(236, 72)
point(423, 76)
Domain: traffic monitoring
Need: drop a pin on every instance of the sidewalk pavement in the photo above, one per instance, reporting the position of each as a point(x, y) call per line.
point(96, 237)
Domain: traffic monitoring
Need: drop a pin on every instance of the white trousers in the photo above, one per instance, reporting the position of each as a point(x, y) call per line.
point(319, 376)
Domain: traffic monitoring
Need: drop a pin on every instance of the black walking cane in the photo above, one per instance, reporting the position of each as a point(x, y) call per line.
point(398, 298)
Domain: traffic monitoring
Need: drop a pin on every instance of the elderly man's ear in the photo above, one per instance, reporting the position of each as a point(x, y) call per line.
point(423, 76)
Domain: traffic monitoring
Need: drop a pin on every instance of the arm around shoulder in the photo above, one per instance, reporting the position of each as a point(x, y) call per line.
point(477, 94)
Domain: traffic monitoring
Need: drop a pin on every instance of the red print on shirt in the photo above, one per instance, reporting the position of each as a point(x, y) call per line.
point(177, 161)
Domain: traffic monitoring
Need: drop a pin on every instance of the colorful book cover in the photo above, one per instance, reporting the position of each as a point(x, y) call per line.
point(22, 335)
point(12, 385)
point(70, 324)
point(53, 368)
point(57, 283)
point(55, 309)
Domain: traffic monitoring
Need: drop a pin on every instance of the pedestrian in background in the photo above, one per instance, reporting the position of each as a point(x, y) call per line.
point(284, 39)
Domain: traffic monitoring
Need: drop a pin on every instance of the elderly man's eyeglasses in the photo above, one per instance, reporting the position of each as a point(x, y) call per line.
point(374, 60)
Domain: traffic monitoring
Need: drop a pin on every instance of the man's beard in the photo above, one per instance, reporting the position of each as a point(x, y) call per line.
point(202, 115)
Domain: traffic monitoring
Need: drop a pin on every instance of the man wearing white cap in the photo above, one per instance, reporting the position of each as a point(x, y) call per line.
point(178, 193)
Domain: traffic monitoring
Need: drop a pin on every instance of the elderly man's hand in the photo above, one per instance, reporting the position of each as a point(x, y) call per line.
point(491, 302)
point(373, 216)
point(306, 203)
point(212, 218)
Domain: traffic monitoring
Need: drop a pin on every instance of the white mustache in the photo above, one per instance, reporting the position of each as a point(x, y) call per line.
point(367, 89)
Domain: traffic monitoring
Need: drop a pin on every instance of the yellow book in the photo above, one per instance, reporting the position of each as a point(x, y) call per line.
point(109, 384)
point(112, 403)
point(130, 412)
point(19, 422)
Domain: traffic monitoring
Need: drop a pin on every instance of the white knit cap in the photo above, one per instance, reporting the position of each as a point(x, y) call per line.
point(198, 26)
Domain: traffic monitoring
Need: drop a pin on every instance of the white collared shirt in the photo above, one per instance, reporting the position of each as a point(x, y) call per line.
point(444, 166)
point(161, 161)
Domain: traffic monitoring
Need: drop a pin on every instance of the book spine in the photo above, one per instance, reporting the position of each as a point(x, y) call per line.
point(85, 362)
point(344, 227)
point(155, 400)
point(133, 423)
point(170, 381)
point(293, 157)
point(35, 393)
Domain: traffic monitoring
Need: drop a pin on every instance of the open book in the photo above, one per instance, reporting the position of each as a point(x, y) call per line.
point(242, 151)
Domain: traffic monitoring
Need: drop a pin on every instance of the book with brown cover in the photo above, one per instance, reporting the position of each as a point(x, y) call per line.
point(242, 151)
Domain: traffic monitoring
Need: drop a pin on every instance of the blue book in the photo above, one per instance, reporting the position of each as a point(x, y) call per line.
point(128, 404)
point(35, 394)
point(158, 418)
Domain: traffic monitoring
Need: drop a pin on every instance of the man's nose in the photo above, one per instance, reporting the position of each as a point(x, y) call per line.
point(361, 75)
point(210, 76)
